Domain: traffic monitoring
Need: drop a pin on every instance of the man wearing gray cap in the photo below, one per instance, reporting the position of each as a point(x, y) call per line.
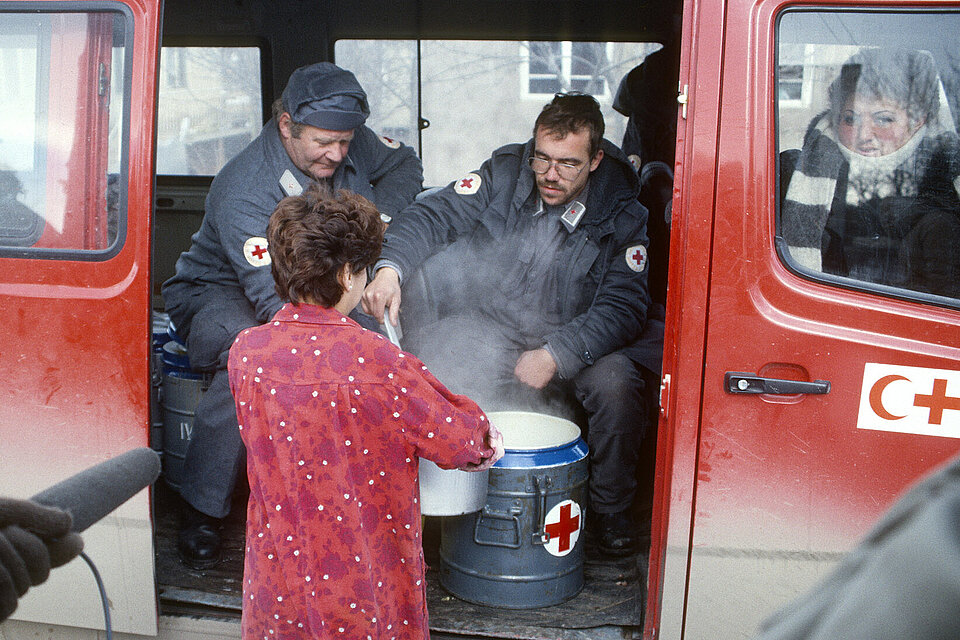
point(223, 282)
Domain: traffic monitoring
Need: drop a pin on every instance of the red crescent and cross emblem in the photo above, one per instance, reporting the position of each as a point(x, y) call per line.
point(910, 400)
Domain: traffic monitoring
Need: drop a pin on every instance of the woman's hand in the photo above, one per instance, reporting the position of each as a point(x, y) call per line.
point(495, 443)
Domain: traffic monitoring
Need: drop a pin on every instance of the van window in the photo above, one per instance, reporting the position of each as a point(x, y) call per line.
point(471, 97)
point(62, 142)
point(210, 107)
point(869, 157)
point(551, 67)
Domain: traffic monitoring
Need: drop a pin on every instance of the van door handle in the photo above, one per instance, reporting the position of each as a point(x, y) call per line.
point(750, 383)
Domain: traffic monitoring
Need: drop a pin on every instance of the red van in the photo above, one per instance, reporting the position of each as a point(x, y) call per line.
point(796, 403)
point(811, 366)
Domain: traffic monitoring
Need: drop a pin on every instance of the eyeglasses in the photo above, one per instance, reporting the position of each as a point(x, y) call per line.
point(566, 170)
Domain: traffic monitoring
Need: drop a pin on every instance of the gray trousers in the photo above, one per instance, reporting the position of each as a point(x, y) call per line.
point(473, 357)
point(216, 456)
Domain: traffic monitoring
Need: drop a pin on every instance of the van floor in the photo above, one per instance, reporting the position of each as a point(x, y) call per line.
point(610, 606)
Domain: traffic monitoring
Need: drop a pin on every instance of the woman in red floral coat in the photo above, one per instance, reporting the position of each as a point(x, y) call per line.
point(334, 418)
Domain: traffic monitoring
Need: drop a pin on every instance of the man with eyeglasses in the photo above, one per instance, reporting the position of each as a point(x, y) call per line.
point(535, 271)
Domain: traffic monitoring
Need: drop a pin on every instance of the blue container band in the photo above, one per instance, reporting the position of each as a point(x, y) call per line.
point(183, 374)
point(547, 457)
point(173, 358)
point(172, 333)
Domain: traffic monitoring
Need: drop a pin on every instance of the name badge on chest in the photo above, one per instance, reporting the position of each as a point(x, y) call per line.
point(289, 184)
point(571, 217)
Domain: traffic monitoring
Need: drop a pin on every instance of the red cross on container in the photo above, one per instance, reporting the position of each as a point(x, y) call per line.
point(938, 401)
point(564, 527)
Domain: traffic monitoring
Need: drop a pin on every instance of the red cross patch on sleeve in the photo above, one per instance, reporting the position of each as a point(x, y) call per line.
point(637, 258)
point(255, 251)
point(468, 184)
point(390, 142)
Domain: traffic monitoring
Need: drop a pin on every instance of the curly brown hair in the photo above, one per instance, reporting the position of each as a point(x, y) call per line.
point(312, 236)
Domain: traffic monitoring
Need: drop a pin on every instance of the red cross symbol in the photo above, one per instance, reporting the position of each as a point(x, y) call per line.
point(937, 401)
point(258, 251)
point(564, 527)
point(638, 258)
point(466, 183)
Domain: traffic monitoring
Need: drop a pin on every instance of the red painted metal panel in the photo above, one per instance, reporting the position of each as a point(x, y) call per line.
point(690, 247)
point(75, 340)
point(785, 484)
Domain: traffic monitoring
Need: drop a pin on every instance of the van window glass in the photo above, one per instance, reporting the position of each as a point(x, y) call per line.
point(210, 107)
point(479, 95)
point(869, 157)
point(62, 141)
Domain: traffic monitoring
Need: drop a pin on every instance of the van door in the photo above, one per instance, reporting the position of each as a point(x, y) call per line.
point(75, 175)
point(830, 376)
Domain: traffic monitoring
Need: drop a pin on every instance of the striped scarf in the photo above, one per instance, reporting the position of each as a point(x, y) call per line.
point(823, 162)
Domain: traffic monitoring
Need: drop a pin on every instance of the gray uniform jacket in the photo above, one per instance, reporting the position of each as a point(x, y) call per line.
point(244, 195)
point(901, 581)
point(598, 297)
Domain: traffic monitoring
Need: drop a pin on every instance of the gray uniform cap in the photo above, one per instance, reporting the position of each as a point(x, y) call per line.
point(325, 96)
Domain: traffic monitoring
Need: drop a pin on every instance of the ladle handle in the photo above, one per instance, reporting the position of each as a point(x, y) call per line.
point(394, 333)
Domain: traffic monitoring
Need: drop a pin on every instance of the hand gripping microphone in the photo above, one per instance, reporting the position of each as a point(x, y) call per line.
point(93, 493)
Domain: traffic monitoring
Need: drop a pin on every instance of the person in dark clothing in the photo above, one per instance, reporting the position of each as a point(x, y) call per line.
point(545, 253)
point(223, 284)
point(872, 195)
point(20, 226)
point(648, 97)
point(34, 538)
point(901, 581)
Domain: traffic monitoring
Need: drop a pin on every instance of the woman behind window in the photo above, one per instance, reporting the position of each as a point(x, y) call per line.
point(872, 194)
point(334, 418)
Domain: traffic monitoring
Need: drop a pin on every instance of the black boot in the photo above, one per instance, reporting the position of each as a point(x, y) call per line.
point(199, 540)
point(617, 534)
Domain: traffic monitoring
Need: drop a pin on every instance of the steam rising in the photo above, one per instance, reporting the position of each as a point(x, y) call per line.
point(473, 309)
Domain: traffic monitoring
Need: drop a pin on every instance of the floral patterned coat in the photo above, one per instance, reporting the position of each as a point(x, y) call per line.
point(334, 418)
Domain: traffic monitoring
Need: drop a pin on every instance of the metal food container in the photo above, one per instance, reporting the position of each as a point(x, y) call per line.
point(522, 550)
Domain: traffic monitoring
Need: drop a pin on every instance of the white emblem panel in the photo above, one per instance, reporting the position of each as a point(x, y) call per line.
point(468, 184)
point(636, 257)
point(910, 400)
point(255, 251)
point(562, 526)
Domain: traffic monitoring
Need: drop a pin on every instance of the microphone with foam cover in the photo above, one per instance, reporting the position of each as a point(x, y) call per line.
point(93, 493)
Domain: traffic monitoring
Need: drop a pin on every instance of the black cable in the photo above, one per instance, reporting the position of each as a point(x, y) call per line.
point(103, 594)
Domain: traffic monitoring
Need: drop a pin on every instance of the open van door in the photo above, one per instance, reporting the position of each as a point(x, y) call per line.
point(76, 140)
point(824, 390)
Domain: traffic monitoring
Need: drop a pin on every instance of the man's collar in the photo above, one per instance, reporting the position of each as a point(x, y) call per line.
point(346, 163)
point(573, 212)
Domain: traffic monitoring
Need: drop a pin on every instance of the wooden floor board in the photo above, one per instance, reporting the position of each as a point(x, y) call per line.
point(610, 605)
